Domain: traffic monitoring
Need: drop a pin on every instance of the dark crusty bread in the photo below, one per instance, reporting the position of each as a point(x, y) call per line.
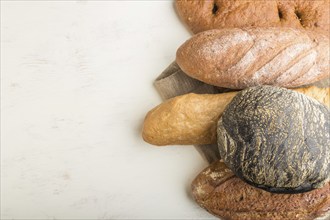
point(226, 196)
point(204, 15)
point(276, 139)
point(240, 58)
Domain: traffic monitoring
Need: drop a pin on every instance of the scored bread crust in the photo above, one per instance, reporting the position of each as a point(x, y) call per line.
point(204, 15)
point(192, 118)
point(241, 58)
point(226, 196)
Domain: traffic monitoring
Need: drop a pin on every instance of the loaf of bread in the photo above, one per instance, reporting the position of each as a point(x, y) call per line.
point(204, 15)
point(276, 139)
point(240, 58)
point(226, 196)
point(192, 119)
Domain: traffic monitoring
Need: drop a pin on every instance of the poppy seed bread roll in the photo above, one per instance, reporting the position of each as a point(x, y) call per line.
point(241, 58)
point(276, 139)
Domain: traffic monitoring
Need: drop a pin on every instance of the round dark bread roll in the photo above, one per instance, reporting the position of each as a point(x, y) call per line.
point(214, 14)
point(276, 139)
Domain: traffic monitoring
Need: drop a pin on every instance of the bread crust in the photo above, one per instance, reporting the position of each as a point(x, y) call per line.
point(226, 196)
point(192, 119)
point(276, 139)
point(241, 58)
point(204, 15)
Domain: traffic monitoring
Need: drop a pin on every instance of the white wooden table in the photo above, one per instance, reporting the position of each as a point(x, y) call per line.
point(76, 83)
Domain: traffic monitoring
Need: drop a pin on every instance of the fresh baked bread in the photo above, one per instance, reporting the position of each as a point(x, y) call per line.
point(204, 15)
point(240, 58)
point(276, 139)
point(192, 119)
point(226, 196)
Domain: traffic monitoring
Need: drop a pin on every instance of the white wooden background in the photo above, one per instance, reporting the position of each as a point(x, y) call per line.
point(76, 83)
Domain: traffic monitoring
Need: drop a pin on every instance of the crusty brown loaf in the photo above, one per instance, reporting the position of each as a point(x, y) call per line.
point(192, 119)
point(204, 15)
point(276, 139)
point(226, 196)
point(241, 58)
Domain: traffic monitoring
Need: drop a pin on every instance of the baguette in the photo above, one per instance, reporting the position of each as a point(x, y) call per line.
point(240, 58)
point(192, 119)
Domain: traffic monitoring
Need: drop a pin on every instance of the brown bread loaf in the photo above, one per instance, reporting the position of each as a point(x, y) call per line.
point(240, 58)
point(204, 15)
point(192, 119)
point(226, 196)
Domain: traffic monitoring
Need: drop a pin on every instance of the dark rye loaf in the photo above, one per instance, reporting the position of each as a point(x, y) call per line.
point(276, 139)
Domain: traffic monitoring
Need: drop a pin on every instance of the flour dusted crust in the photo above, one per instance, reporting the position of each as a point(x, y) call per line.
point(204, 15)
point(241, 58)
point(192, 119)
point(226, 196)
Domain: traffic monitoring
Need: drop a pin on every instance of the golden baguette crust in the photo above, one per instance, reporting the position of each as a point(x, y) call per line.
point(241, 58)
point(192, 119)
point(225, 195)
